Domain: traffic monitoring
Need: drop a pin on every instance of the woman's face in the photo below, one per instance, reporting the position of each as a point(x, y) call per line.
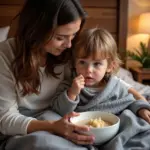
point(62, 38)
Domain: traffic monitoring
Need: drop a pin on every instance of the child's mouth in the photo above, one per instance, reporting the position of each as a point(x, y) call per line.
point(88, 79)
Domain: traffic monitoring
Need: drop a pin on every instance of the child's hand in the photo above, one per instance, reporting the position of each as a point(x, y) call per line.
point(145, 114)
point(77, 85)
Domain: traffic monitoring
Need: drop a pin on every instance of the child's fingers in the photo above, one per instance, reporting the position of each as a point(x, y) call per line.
point(81, 77)
point(146, 117)
point(79, 80)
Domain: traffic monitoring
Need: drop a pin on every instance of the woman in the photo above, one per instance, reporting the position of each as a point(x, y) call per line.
point(31, 67)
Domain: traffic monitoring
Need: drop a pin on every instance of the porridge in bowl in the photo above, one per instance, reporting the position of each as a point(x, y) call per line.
point(98, 123)
point(95, 123)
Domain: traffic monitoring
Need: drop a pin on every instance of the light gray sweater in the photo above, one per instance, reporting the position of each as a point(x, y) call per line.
point(113, 98)
point(13, 119)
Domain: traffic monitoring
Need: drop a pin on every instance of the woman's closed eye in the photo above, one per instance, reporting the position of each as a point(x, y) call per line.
point(64, 37)
point(59, 38)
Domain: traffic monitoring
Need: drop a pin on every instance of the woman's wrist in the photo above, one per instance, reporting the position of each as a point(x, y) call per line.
point(40, 125)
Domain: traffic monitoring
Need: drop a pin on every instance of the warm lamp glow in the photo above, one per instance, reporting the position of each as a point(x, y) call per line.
point(144, 23)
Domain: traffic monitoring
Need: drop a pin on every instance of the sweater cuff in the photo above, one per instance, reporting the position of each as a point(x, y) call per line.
point(76, 101)
point(139, 104)
point(25, 126)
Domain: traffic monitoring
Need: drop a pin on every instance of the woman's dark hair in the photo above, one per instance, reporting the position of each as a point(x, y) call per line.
point(37, 21)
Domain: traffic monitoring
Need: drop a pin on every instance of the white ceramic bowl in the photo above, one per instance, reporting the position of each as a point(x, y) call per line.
point(104, 134)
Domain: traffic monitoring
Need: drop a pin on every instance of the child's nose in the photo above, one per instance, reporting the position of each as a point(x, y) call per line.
point(89, 68)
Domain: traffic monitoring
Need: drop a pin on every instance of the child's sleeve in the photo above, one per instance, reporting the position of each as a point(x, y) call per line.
point(137, 105)
point(61, 103)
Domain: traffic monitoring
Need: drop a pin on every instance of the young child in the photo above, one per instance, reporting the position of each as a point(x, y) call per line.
point(95, 87)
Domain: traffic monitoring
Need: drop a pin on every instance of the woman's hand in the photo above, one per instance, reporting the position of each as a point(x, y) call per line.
point(77, 85)
point(145, 114)
point(70, 131)
point(62, 127)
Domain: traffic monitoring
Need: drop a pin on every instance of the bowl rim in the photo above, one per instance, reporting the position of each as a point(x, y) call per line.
point(118, 120)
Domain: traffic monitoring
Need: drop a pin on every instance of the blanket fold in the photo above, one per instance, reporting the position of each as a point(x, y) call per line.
point(134, 134)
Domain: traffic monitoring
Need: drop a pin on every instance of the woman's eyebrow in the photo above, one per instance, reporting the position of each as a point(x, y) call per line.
point(61, 35)
point(65, 35)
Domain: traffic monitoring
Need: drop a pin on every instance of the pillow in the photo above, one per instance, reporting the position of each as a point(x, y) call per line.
point(124, 73)
point(4, 33)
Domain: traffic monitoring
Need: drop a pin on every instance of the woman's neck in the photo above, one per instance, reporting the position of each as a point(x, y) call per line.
point(43, 59)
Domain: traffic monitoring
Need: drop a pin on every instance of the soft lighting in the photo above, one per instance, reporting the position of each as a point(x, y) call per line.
point(144, 23)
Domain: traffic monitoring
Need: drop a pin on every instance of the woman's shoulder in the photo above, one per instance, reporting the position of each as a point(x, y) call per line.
point(7, 48)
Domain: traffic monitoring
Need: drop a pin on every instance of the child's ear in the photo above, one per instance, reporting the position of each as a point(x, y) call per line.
point(111, 67)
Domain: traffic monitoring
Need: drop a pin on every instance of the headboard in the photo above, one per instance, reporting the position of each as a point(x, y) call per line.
point(108, 14)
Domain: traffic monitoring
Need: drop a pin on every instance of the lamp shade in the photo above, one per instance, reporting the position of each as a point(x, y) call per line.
point(144, 23)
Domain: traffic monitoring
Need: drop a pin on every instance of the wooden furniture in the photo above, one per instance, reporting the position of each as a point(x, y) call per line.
point(108, 14)
point(140, 74)
point(8, 10)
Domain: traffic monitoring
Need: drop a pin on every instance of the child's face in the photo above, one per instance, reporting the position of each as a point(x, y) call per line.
point(93, 71)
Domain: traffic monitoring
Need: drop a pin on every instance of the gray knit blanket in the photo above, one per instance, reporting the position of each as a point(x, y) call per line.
point(134, 134)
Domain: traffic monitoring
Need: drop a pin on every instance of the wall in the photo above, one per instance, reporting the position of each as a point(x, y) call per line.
point(136, 7)
point(108, 14)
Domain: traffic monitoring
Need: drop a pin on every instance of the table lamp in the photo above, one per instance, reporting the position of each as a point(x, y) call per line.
point(143, 56)
point(144, 25)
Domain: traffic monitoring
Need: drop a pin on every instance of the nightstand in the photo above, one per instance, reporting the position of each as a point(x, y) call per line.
point(140, 74)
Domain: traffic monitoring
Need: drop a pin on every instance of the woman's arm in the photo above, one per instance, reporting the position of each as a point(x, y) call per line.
point(11, 121)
